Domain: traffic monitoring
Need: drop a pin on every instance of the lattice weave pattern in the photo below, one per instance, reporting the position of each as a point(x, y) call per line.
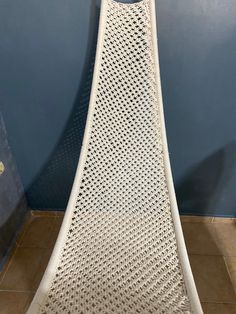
point(121, 254)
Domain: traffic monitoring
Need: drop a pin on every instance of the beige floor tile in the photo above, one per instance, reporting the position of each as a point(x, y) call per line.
point(223, 220)
point(43, 213)
point(199, 238)
point(38, 233)
point(212, 279)
point(25, 269)
point(202, 219)
point(56, 227)
point(60, 213)
point(219, 308)
point(231, 265)
point(29, 218)
point(225, 235)
point(12, 302)
point(47, 213)
point(7, 262)
point(58, 221)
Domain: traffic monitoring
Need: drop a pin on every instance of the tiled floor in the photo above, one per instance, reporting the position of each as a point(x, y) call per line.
point(211, 244)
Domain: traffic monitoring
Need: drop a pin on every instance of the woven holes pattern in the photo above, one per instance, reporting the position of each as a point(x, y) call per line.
point(120, 254)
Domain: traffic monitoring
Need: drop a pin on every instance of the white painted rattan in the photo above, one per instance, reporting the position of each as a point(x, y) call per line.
point(121, 248)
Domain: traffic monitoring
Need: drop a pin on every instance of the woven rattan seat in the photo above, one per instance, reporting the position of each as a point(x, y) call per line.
point(121, 248)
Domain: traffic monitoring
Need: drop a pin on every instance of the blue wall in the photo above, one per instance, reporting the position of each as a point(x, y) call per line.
point(46, 60)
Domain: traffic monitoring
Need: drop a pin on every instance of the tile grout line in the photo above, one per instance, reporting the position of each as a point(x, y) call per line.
point(23, 230)
point(20, 291)
point(222, 255)
point(229, 272)
point(8, 263)
point(210, 302)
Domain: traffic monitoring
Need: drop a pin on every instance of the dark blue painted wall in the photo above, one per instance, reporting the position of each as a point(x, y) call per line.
point(46, 59)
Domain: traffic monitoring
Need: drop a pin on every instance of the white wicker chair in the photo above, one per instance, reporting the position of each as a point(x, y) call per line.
point(120, 247)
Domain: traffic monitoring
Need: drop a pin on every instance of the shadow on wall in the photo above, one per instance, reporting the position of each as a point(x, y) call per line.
point(52, 187)
point(205, 188)
point(13, 206)
point(199, 88)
